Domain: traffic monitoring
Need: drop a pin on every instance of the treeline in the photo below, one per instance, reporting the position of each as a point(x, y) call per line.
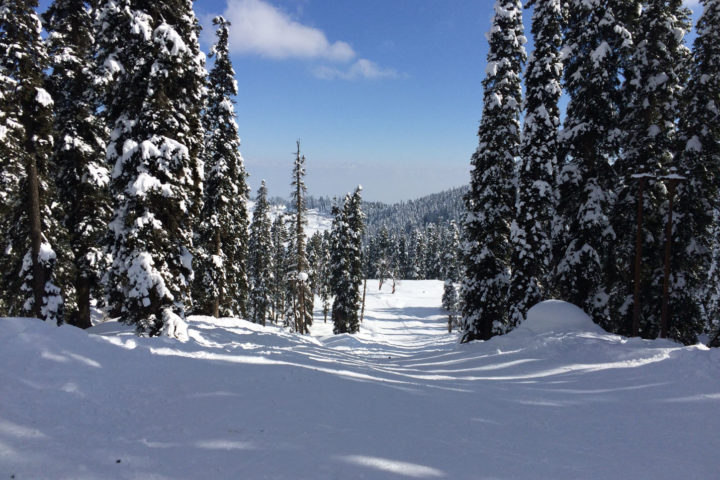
point(616, 210)
point(122, 186)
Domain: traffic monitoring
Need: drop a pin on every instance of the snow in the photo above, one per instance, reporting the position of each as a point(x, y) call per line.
point(555, 316)
point(43, 97)
point(556, 398)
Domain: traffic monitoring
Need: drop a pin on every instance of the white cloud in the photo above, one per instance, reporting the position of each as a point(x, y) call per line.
point(262, 29)
point(363, 68)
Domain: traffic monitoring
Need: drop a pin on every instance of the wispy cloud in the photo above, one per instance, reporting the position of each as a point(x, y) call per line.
point(361, 69)
point(263, 29)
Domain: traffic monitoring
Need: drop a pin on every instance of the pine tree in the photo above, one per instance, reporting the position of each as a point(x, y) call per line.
point(280, 263)
point(694, 267)
point(221, 284)
point(260, 261)
point(595, 42)
point(81, 173)
point(302, 297)
point(356, 225)
point(346, 272)
point(531, 231)
point(490, 201)
point(450, 300)
point(655, 76)
point(26, 133)
point(155, 83)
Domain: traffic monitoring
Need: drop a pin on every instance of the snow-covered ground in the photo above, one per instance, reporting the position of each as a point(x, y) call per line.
point(556, 399)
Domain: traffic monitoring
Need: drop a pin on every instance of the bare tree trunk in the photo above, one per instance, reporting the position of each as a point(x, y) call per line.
point(216, 301)
point(83, 299)
point(362, 310)
point(35, 232)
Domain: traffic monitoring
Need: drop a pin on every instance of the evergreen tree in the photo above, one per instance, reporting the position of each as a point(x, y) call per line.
point(26, 138)
point(655, 76)
point(383, 265)
point(346, 272)
point(531, 231)
point(696, 226)
point(221, 284)
point(490, 200)
point(155, 78)
point(260, 261)
point(595, 42)
point(356, 225)
point(280, 266)
point(302, 297)
point(81, 173)
point(324, 291)
point(450, 300)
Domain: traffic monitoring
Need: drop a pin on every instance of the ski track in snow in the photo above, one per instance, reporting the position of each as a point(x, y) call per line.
point(400, 400)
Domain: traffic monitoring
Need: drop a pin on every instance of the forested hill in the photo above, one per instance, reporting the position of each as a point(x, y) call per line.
point(403, 217)
point(438, 208)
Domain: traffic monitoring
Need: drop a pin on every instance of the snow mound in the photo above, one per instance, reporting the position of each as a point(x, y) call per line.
point(556, 316)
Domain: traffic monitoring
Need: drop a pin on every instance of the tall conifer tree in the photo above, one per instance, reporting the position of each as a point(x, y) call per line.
point(491, 199)
point(656, 73)
point(156, 77)
point(26, 141)
point(81, 173)
point(260, 267)
point(302, 300)
point(531, 231)
point(595, 39)
point(695, 268)
point(221, 282)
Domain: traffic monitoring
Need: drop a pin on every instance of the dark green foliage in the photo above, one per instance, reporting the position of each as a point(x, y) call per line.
point(221, 283)
point(596, 40)
point(260, 260)
point(81, 174)
point(346, 262)
point(155, 76)
point(531, 231)
point(695, 259)
point(491, 199)
point(26, 140)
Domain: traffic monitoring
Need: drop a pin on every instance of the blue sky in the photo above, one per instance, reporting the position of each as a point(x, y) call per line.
point(383, 93)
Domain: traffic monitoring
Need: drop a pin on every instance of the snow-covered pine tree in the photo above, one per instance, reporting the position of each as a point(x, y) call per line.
point(383, 256)
point(595, 42)
point(298, 275)
point(339, 277)
point(356, 225)
point(694, 282)
point(155, 88)
point(260, 261)
point(221, 283)
point(81, 174)
point(324, 277)
point(450, 299)
point(26, 137)
point(656, 72)
point(531, 231)
point(280, 265)
point(491, 199)
point(346, 263)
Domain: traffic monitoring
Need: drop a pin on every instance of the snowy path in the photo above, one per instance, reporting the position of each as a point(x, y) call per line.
point(401, 400)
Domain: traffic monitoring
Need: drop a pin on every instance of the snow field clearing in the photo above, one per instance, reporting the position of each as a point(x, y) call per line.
point(555, 399)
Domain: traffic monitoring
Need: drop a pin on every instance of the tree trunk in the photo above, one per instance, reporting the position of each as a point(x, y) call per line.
point(216, 300)
point(362, 310)
point(35, 231)
point(83, 300)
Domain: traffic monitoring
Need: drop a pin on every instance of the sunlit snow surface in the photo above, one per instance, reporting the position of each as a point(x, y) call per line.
point(401, 400)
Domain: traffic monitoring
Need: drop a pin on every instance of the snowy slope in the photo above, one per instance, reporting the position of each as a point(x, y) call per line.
point(555, 399)
point(316, 220)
